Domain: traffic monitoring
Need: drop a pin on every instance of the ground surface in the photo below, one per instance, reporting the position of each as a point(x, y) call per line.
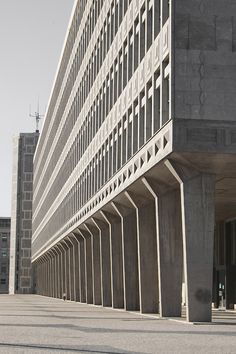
point(34, 324)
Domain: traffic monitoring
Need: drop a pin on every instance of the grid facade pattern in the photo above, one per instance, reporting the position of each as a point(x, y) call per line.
point(5, 226)
point(110, 99)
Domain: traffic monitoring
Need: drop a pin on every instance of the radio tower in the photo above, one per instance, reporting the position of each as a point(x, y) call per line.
point(37, 117)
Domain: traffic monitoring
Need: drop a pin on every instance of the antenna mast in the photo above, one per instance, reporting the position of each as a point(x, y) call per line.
point(37, 117)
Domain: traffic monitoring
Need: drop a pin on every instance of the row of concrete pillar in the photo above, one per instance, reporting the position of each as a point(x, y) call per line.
point(135, 252)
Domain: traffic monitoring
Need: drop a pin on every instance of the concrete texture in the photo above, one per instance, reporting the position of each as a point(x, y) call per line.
point(116, 260)
point(34, 324)
point(169, 246)
point(20, 275)
point(204, 59)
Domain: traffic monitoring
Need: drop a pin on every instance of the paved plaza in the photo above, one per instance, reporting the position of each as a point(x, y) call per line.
point(34, 324)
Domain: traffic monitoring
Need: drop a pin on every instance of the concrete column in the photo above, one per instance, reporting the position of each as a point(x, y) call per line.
point(115, 233)
point(57, 260)
point(67, 268)
point(62, 269)
point(57, 273)
point(36, 266)
point(82, 283)
point(71, 265)
point(48, 275)
point(170, 247)
point(51, 275)
point(60, 277)
point(38, 283)
point(52, 272)
point(197, 205)
point(105, 261)
point(44, 269)
point(96, 266)
point(42, 276)
point(147, 253)
point(73, 274)
point(130, 256)
point(76, 267)
point(88, 265)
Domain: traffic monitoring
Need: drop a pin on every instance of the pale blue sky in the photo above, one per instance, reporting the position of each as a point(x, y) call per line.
point(32, 33)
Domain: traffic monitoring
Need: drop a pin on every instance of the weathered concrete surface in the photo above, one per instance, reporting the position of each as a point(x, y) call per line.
point(35, 324)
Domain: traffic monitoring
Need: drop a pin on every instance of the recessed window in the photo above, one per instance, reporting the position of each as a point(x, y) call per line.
point(4, 253)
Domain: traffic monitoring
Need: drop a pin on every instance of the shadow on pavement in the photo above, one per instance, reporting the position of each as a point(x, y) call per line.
point(112, 330)
point(84, 349)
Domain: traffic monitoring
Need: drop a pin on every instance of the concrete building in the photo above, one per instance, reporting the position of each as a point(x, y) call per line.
point(21, 277)
point(135, 173)
point(5, 227)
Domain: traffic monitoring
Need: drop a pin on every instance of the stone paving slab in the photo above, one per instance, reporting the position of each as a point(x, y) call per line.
point(35, 324)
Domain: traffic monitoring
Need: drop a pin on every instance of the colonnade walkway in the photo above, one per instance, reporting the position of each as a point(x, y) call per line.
point(37, 324)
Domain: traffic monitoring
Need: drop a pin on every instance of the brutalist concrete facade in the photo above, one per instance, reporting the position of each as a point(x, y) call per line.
point(135, 167)
point(21, 276)
point(5, 227)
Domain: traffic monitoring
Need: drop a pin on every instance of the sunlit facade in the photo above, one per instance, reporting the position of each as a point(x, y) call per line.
point(131, 169)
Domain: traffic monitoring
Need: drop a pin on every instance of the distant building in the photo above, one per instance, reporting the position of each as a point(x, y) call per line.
point(20, 280)
point(5, 224)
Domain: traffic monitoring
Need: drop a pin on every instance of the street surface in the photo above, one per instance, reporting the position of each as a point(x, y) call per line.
point(35, 324)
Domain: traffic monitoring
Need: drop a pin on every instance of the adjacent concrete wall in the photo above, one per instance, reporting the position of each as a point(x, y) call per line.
point(204, 64)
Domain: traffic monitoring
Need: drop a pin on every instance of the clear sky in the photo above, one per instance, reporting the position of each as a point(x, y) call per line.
point(32, 33)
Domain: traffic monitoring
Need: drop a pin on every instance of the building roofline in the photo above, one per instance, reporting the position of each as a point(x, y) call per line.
point(57, 70)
